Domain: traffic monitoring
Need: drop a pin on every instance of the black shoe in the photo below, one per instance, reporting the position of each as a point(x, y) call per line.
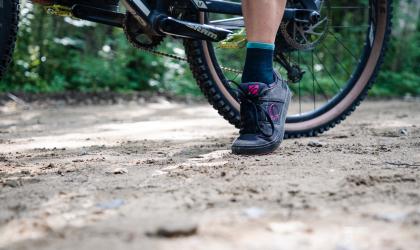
point(263, 115)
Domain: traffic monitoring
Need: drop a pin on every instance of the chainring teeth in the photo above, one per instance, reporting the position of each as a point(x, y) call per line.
point(132, 33)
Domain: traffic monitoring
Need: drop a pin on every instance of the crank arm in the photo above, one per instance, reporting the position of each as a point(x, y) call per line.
point(92, 14)
point(156, 23)
point(178, 28)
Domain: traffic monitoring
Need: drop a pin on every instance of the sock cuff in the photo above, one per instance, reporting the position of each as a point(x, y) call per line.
point(259, 45)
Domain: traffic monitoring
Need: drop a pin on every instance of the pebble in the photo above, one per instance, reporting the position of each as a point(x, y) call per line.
point(150, 161)
point(50, 166)
point(25, 172)
point(174, 230)
point(403, 131)
point(120, 171)
point(315, 144)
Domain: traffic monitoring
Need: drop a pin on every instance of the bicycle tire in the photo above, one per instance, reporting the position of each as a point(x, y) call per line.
point(9, 20)
point(214, 85)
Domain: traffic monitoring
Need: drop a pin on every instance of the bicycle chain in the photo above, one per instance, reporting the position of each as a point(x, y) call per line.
point(153, 51)
point(179, 58)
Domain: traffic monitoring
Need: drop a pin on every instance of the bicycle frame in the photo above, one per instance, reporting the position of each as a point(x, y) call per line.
point(227, 7)
point(156, 20)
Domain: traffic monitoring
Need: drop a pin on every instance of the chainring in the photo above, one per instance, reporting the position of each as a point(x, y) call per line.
point(136, 36)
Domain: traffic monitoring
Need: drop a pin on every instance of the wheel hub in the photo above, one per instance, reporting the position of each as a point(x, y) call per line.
point(303, 34)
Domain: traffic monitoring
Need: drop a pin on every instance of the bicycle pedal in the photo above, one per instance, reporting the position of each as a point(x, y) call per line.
point(236, 40)
point(58, 10)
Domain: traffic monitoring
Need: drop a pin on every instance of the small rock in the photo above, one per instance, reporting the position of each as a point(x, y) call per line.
point(120, 171)
point(11, 183)
point(403, 132)
point(315, 144)
point(150, 161)
point(340, 136)
point(61, 172)
point(50, 166)
point(25, 172)
point(174, 230)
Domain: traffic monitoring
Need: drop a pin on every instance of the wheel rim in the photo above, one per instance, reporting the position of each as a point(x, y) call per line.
point(335, 106)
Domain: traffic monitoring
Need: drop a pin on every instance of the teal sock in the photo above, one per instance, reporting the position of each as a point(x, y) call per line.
point(259, 63)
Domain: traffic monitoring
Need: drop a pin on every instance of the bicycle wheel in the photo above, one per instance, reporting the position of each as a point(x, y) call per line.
point(341, 56)
point(9, 18)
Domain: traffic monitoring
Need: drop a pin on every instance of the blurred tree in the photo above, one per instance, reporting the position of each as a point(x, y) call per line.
point(400, 73)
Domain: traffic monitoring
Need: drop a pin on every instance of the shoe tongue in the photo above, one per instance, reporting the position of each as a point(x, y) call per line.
point(253, 88)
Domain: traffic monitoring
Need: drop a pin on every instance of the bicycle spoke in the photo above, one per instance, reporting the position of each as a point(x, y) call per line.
point(342, 44)
point(313, 80)
point(349, 7)
point(336, 60)
point(349, 27)
point(300, 89)
point(328, 72)
point(236, 76)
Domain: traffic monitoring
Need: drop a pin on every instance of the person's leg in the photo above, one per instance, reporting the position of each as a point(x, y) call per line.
point(262, 20)
point(264, 96)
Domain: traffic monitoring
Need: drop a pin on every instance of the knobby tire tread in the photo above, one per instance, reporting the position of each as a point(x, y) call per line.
point(8, 45)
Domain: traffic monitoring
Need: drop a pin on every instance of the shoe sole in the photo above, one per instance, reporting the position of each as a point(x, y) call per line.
point(270, 147)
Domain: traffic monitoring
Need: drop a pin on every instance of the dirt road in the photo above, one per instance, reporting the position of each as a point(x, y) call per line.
point(161, 176)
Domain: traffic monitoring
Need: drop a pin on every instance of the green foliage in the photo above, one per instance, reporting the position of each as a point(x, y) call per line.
point(401, 71)
point(55, 54)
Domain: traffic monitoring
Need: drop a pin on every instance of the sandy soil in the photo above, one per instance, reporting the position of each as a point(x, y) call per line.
point(161, 176)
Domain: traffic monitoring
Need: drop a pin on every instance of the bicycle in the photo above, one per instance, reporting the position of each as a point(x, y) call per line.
point(330, 51)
